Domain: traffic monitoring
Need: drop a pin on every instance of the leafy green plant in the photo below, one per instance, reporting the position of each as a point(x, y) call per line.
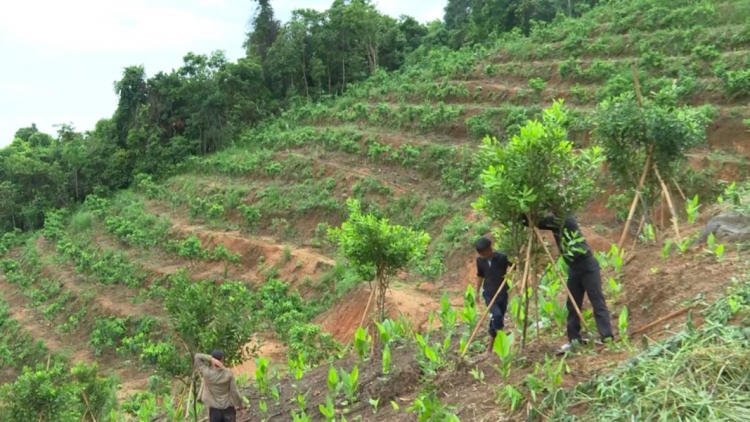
point(362, 342)
point(376, 248)
point(692, 206)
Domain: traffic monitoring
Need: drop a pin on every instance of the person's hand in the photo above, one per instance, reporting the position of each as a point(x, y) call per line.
point(216, 363)
point(242, 413)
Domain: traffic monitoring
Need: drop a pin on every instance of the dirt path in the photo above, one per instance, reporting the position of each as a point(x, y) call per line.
point(256, 254)
point(74, 346)
point(114, 300)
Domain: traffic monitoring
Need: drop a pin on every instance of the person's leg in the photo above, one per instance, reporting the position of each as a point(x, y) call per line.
point(494, 312)
point(591, 281)
point(215, 415)
point(576, 290)
point(230, 414)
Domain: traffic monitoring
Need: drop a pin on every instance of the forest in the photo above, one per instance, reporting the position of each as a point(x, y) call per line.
point(206, 103)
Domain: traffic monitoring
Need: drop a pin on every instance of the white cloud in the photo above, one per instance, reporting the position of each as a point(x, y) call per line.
point(211, 2)
point(107, 25)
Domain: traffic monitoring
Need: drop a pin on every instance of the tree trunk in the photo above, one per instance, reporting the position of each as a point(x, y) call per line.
point(304, 75)
point(372, 57)
point(382, 288)
point(75, 176)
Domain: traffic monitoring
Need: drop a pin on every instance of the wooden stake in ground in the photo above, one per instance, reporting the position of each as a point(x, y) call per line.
point(661, 210)
point(642, 180)
point(570, 295)
point(677, 185)
point(669, 202)
point(526, 300)
point(487, 310)
point(638, 231)
point(634, 204)
point(367, 308)
point(524, 279)
point(535, 289)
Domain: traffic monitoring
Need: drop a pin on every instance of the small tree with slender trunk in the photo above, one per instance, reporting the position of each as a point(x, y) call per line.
point(535, 172)
point(377, 249)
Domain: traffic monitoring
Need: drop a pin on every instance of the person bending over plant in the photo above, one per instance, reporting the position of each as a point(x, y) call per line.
point(218, 390)
point(491, 269)
point(583, 274)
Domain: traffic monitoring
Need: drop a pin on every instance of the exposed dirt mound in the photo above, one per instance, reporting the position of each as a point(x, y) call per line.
point(257, 255)
point(345, 315)
point(270, 348)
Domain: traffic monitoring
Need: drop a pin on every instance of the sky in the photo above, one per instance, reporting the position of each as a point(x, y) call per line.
point(61, 58)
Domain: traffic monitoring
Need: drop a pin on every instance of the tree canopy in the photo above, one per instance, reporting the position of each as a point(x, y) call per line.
point(377, 249)
point(535, 172)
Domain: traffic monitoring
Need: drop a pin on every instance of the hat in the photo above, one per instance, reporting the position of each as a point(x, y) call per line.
point(217, 354)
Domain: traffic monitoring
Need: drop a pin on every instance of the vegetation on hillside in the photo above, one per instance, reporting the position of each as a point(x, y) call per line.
point(198, 216)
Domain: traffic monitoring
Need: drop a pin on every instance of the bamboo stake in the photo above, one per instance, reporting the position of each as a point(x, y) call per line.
point(367, 308)
point(637, 232)
point(570, 295)
point(523, 283)
point(653, 323)
point(661, 210)
point(677, 185)
point(88, 406)
point(660, 320)
point(669, 202)
point(487, 310)
point(634, 204)
point(642, 180)
point(536, 303)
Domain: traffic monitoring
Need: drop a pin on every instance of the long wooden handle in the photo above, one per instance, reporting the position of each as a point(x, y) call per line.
point(562, 280)
point(486, 311)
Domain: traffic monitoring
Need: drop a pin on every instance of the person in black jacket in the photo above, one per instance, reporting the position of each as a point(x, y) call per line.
point(584, 274)
point(491, 269)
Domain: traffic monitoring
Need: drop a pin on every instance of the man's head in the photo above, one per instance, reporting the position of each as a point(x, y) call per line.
point(218, 355)
point(484, 248)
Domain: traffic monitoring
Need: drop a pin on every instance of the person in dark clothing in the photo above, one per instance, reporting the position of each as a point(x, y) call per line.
point(583, 274)
point(491, 269)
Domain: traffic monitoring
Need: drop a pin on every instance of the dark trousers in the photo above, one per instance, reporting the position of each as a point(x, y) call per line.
point(497, 310)
point(585, 277)
point(222, 415)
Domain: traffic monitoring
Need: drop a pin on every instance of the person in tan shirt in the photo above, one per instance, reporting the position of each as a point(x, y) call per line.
point(218, 390)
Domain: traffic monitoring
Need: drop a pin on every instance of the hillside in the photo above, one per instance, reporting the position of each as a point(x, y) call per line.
point(244, 229)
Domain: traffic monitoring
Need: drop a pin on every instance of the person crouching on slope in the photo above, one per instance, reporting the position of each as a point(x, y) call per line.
point(583, 275)
point(218, 390)
point(491, 269)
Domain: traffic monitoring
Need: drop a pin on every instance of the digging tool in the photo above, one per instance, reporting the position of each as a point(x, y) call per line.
point(486, 311)
point(570, 295)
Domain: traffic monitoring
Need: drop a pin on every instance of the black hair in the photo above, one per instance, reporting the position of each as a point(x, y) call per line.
point(217, 354)
point(483, 244)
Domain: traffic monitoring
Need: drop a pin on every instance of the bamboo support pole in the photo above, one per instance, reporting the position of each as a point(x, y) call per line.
point(634, 204)
point(524, 278)
point(671, 205)
point(487, 310)
point(677, 185)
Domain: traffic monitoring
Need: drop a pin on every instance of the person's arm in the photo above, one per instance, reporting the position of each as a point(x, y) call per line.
point(546, 223)
point(235, 394)
point(480, 280)
point(202, 361)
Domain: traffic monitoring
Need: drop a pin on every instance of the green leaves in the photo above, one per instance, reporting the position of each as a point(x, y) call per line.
point(627, 131)
point(536, 171)
point(376, 248)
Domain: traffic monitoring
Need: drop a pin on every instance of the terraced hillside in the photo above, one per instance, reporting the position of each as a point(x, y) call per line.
point(248, 224)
